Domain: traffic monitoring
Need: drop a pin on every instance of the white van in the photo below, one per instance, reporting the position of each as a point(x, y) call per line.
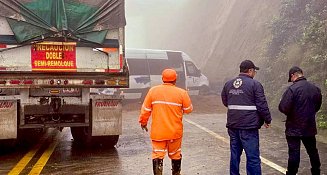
point(146, 66)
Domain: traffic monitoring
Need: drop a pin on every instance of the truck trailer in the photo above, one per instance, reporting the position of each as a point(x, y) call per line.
point(54, 54)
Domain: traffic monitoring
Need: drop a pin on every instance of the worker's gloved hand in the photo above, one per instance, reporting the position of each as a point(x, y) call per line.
point(144, 127)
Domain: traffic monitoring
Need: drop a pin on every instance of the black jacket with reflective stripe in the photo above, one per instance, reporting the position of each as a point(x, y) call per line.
point(246, 102)
point(299, 103)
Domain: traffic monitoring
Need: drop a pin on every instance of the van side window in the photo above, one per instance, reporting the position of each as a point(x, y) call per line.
point(138, 66)
point(158, 65)
point(191, 69)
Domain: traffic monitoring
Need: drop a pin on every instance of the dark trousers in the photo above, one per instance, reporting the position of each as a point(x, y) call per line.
point(294, 145)
point(249, 141)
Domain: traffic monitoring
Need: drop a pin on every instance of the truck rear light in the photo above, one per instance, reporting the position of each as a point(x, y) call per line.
point(65, 82)
point(122, 82)
point(87, 82)
point(99, 82)
point(121, 61)
point(54, 91)
point(28, 82)
point(3, 81)
point(58, 82)
point(112, 82)
point(14, 81)
point(51, 82)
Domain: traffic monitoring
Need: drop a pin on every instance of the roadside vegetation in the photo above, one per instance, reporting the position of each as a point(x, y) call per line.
point(299, 37)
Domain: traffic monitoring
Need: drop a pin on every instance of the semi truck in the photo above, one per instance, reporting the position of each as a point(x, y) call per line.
point(54, 55)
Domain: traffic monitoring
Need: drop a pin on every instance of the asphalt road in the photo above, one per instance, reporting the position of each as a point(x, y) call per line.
point(205, 151)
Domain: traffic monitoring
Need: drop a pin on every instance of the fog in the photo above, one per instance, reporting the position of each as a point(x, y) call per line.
point(149, 22)
point(217, 35)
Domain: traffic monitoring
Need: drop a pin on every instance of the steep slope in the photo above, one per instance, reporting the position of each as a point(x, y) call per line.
point(219, 34)
point(299, 37)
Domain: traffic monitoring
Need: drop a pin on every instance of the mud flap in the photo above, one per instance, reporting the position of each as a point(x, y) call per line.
point(8, 119)
point(106, 117)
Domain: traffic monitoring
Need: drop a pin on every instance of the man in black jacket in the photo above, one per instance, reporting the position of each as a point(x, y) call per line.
point(247, 112)
point(300, 103)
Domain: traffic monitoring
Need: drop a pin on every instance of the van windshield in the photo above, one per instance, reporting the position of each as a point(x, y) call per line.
point(191, 69)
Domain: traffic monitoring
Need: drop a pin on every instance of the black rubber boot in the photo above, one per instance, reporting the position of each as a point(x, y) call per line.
point(315, 171)
point(157, 166)
point(289, 173)
point(176, 166)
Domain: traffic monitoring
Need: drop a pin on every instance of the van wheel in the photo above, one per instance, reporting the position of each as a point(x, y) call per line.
point(144, 93)
point(204, 90)
point(142, 97)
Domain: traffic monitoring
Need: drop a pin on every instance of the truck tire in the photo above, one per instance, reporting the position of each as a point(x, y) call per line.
point(81, 134)
point(82, 137)
point(107, 141)
point(7, 145)
point(30, 136)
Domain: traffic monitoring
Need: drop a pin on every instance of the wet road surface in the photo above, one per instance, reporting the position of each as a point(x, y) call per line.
point(205, 151)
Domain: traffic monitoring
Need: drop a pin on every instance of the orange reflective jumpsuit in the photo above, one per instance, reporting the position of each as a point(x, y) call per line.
point(166, 103)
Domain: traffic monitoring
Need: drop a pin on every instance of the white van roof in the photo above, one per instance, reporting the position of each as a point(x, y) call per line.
point(140, 53)
point(134, 50)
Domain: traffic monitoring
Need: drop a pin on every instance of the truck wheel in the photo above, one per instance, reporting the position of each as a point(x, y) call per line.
point(107, 141)
point(80, 134)
point(30, 136)
point(7, 145)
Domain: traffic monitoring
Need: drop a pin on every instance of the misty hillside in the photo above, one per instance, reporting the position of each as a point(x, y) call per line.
point(299, 37)
point(218, 35)
point(276, 34)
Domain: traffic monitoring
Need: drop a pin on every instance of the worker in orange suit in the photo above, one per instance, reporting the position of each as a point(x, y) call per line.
point(167, 104)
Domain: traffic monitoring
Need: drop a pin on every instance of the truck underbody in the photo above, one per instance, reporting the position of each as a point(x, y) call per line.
point(54, 55)
point(89, 116)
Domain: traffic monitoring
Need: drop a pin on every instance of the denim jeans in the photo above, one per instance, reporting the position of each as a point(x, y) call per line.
point(247, 139)
point(294, 144)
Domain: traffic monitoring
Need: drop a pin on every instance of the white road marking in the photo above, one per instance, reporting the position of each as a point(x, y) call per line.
point(223, 139)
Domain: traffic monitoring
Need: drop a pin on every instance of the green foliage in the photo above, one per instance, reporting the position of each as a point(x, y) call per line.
point(302, 24)
point(287, 28)
point(322, 120)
